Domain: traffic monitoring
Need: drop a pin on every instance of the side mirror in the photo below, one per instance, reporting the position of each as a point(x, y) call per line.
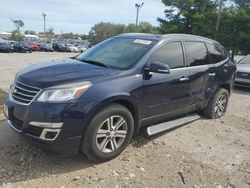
point(158, 67)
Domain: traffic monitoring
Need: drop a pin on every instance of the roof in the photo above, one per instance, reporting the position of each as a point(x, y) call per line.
point(159, 37)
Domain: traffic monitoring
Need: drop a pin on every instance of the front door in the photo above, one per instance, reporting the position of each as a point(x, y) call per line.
point(166, 95)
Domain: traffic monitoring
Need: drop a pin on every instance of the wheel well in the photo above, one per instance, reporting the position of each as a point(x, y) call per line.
point(226, 86)
point(133, 111)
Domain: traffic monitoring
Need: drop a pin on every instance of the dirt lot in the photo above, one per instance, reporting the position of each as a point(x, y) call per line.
point(205, 153)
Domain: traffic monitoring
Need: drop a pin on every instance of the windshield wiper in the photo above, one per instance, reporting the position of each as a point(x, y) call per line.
point(93, 62)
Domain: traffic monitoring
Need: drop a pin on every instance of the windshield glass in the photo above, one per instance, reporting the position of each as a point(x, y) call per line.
point(245, 60)
point(119, 53)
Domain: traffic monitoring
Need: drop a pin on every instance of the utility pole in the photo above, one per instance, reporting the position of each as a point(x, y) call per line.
point(44, 22)
point(218, 19)
point(138, 7)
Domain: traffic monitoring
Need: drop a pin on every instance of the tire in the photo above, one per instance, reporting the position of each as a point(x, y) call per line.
point(217, 105)
point(111, 142)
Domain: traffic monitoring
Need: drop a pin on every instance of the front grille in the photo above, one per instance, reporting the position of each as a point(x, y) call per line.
point(243, 75)
point(23, 93)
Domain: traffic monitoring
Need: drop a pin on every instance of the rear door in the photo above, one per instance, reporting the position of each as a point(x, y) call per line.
point(202, 73)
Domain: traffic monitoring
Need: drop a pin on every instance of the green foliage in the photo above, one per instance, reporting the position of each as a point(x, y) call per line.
point(50, 31)
point(102, 31)
point(200, 16)
point(189, 16)
point(16, 35)
point(18, 24)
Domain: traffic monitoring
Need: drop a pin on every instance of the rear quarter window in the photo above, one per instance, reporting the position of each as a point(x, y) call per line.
point(217, 53)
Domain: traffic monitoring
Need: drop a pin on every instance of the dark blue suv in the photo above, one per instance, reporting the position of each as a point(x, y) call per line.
point(97, 101)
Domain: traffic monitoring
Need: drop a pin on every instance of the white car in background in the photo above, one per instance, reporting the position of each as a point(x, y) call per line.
point(73, 48)
point(82, 48)
point(242, 78)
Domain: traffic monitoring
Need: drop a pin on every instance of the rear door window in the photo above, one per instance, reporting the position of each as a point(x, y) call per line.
point(197, 53)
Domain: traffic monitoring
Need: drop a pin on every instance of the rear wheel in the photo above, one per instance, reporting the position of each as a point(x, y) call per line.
point(108, 133)
point(217, 106)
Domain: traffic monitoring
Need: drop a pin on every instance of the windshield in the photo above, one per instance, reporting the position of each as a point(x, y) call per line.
point(245, 60)
point(119, 53)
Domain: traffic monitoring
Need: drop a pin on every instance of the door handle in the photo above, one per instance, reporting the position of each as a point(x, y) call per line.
point(212, 74)
point(184, 78)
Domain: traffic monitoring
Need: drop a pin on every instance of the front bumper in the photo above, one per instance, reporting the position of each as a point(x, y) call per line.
point(242, 82)
point(68, 139)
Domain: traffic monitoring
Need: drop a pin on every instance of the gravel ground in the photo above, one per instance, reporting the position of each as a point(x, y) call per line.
point(205, 153)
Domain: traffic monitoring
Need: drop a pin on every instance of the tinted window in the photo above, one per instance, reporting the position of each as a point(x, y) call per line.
point(197, 53)
point(171, 54)
point(217, 54)
point(120, 53)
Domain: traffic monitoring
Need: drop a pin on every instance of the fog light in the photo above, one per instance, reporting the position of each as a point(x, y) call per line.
point(50, 134)
point(46, 125)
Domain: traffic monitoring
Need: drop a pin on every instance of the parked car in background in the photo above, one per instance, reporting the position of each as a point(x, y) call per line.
point(34, 46)
point(59, 47)
point(72, 48)
point(45, 47)
point(5, 47)
point(97, 101)
point(243, 72)
point(81, 48)
point(22, 47)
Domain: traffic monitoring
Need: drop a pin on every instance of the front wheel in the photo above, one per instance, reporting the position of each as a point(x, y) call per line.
point(108, 133)
point(217, 106)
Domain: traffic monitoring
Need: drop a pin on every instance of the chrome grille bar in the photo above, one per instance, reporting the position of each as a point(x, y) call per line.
point(23, 93)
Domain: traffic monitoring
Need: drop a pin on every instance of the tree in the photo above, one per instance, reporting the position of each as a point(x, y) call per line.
point(50, 31)
point(16, 35)
point(242, 3)
point(189, 16)
point(102, 31)
point(18, 24)
point(142, 27)
point(234, 29)
point(200, 16)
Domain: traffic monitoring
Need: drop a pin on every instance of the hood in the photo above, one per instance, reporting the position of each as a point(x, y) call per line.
point(243, 68)
point(62, 72)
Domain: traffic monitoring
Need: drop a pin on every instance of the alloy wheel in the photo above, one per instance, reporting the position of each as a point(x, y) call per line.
point(220, 105)
point(111, 134)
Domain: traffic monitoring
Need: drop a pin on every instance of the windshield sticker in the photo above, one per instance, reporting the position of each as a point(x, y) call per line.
point(140, 41)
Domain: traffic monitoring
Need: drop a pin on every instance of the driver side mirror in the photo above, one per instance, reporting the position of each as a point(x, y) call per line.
point(158, 67)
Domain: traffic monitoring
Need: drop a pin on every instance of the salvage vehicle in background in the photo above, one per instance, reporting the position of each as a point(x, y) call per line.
point(59, 47)
point(97, 101)
point(45, 47)
point(34, 46)
point(5, 47)
point(72, 48)
point(243, 72)
point(22, 47)
point(81, 48)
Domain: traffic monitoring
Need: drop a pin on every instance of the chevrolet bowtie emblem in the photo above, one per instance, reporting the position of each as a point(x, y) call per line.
point(14, 90)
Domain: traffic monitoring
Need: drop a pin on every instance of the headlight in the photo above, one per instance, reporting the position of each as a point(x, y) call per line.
point(64, 92)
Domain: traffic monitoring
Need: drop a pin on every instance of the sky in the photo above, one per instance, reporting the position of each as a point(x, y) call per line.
point(77, 16)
